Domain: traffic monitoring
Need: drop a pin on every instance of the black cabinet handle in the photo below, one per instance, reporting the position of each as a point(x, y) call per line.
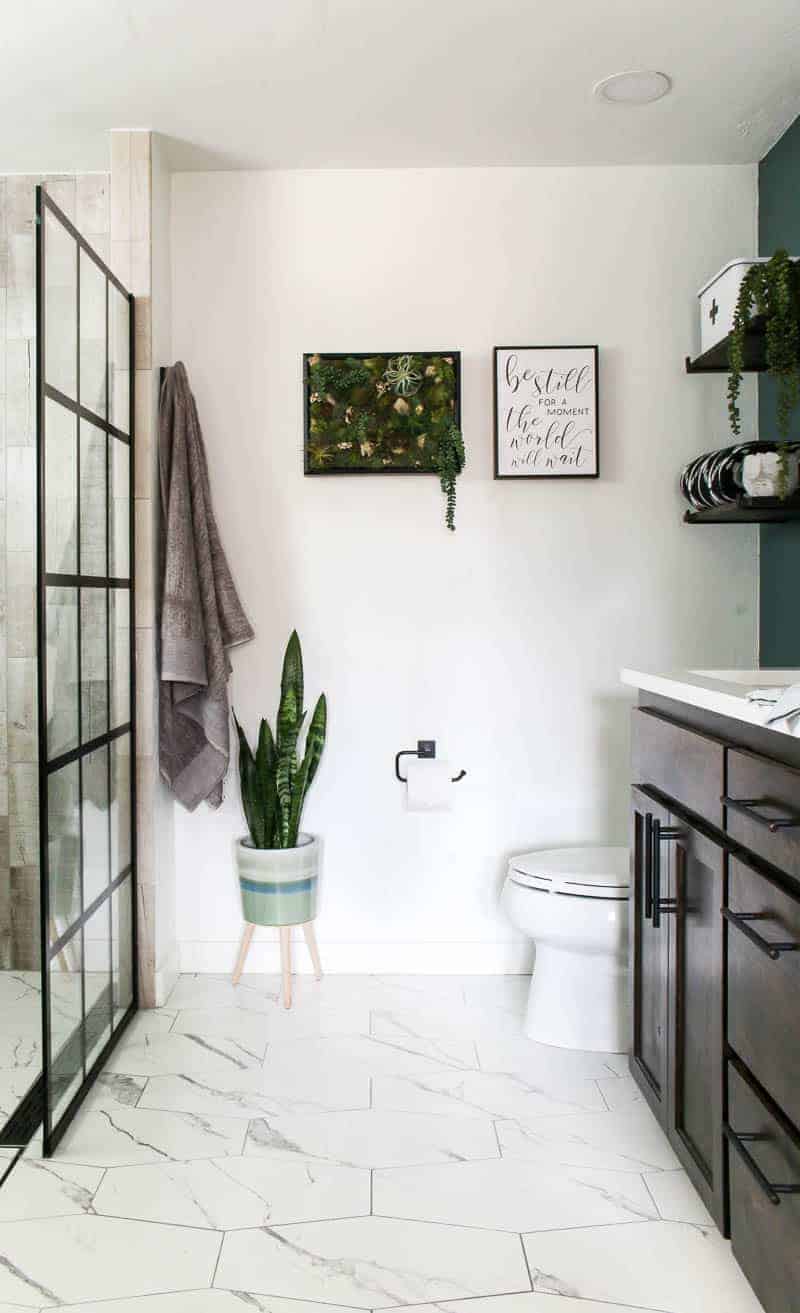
point(661, 834)
point(749, 808)
point(648, 866)
point(742, 922)
point(737, 1140)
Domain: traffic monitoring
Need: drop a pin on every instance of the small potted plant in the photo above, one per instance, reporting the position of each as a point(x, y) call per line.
point(278, 864)
point(770, 289)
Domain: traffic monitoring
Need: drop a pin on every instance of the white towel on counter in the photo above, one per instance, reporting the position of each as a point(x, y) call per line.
point(782, 707)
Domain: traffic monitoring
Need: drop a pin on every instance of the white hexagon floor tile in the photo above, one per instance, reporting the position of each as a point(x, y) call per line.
point(77, 1259)
point(127, 1136)
point(512, 1196)
point(258, 1093)
point(626, 1141)
point(213, 1301)
point(484, 1094)
point(665, 1266)
point(233, 1193)
point(162, 1053)
point(527, 1302)
point(39, 1188)
point(373, 1055)
point(676, 1198)
point(372, 1262)
point(372, 1139)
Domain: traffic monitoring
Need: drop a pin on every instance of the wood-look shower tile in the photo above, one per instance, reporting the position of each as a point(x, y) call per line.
point(22, 713)
point(92, 213)
point(21, 603)
point(20, 398)
point(120, 200)
point(23, 798)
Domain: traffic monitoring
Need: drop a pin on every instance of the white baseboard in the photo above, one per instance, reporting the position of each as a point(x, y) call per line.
point(512, 957)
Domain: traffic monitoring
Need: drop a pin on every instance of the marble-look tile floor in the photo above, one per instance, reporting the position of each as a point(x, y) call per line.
point(391, 1142)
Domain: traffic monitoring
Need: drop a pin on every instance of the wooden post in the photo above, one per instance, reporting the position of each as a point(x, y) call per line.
point(286, 964)
point(244, 948)
point(311, 941)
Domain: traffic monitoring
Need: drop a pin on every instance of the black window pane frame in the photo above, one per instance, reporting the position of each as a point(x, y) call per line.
point(78, 1051)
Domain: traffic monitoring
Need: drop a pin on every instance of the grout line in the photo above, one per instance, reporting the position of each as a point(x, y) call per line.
point(219, 1256)
point(608, 1107)
point(507, 1230)
point(525, 1258)
point(659, 1215)
point(497, 1137)
point(371, 1191)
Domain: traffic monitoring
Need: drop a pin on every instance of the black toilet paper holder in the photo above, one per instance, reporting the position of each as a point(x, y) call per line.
point(425, 749)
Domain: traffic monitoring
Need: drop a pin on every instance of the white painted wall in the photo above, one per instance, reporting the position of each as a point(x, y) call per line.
point(503, 641)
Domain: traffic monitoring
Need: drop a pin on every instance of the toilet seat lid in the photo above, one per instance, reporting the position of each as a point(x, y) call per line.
point(581, 872)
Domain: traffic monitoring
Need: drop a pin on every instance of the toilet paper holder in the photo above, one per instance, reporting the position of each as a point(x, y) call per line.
point(426, 749)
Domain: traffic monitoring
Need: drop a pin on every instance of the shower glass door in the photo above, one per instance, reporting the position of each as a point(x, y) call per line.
point(85, 627)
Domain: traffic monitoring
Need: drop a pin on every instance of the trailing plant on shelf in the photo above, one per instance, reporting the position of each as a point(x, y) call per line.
point(274, 782)
point(450, 461)
point(771, 290)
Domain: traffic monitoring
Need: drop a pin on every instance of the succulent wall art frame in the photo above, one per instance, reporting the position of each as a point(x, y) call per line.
point(379, 412)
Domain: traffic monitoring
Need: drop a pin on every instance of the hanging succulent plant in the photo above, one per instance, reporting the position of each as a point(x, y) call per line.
point(451, 459)
point(772, 290)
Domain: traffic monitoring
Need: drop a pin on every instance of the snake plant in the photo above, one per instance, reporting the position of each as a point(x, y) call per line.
point(274, 781)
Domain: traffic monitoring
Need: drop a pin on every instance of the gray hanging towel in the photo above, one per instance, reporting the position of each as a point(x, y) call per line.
point(200, 612)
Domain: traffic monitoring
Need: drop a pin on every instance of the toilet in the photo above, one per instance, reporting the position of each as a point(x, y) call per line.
point(573, 903)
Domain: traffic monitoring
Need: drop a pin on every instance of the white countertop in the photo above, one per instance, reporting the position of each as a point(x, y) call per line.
point(723, 691)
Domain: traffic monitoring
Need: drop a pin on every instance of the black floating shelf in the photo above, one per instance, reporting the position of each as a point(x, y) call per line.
point(715, 360)
point(737, 513)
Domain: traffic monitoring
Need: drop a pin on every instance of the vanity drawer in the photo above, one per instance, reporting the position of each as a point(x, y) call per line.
point(682, 763)
point(763, 809)
point(764, 983)
point(765, 1225)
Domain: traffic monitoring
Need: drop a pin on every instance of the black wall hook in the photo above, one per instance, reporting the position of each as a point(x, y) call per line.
point(425, 749)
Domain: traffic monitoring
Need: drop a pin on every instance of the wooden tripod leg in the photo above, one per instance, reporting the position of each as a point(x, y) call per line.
point(244, 949)
point(311, 941)
point(286, 964)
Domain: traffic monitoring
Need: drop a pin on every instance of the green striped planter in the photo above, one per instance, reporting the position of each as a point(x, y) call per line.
point(279, 885)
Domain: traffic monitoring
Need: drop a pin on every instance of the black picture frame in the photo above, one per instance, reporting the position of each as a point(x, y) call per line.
point(564, 346)
point(368, 355)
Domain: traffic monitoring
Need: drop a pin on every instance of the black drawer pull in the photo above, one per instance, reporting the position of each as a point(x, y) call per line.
point(742, 922)
point(661, 834)
point(737, 1140)
point(749, 808)
point(648, 866)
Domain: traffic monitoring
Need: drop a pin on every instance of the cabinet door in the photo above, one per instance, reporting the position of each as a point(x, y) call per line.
point(694, 917)
point(649, 949)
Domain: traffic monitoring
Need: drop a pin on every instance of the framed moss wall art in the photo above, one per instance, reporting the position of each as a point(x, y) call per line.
point(379, 413)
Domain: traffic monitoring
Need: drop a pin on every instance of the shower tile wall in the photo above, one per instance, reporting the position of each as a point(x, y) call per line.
point(85, 200)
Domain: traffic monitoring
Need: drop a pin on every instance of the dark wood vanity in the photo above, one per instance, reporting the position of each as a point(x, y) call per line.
point(715, 971)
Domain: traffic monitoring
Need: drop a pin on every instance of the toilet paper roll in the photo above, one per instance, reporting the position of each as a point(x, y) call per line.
point(430, 785)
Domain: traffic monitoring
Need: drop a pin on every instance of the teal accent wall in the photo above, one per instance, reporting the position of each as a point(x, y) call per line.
point(779, 225)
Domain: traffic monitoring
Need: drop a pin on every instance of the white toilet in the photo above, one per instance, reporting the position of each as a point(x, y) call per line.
point(573, 902)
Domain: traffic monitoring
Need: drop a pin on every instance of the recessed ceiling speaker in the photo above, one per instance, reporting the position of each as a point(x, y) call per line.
point(638, 86)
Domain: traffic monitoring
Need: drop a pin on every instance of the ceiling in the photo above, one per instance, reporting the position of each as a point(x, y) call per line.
point(393, 83)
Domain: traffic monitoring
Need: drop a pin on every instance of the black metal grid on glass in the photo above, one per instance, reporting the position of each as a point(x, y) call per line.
point(85, 630)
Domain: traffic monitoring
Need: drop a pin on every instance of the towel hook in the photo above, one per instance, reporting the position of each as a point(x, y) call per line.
point(425, 750)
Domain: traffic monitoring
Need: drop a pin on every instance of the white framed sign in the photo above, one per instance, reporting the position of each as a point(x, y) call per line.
point(546, 412)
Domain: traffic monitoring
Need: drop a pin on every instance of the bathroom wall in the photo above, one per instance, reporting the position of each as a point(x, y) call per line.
point(779, 225)
point(84, 199)
point(504, 640)
point(140, 246)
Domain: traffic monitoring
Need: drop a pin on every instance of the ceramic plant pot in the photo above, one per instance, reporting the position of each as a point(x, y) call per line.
point(279, 885)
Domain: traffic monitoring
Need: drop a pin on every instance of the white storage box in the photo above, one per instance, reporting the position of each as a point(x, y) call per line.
point(718, 301)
